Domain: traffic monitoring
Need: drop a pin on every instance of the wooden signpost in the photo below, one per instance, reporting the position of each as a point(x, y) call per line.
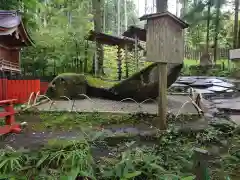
point(165, 44)
point(234, 56)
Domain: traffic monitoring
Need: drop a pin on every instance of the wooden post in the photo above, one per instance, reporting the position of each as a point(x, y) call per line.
point(85, 57)
point(119, 59)
point(165, 45)
point(162, 98)
point(96, 62)
point(126, 60)
point(200, 164)
point(136, 51)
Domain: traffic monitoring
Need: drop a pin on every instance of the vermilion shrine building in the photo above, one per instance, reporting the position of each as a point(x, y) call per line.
point(13, 36)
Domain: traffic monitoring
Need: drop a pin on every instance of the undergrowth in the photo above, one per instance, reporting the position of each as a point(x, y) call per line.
point(170, 157)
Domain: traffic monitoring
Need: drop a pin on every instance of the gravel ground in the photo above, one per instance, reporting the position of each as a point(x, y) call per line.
point(101, 105)
point(175, 102)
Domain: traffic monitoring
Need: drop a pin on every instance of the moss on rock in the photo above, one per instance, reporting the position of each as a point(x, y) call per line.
point(67, 84)
point(72, 84)
point(98, 82)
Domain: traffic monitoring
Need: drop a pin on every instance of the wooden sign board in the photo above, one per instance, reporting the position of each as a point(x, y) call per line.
point(234, 54)
point(165, 38)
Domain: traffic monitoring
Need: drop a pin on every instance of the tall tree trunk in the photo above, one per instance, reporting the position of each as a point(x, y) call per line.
point(208, 26)
point(162, 5)
point(97, 12)
point(104, 18)
point(216, 30)
point(235, 36)
point(177, 7)
point(238, 41)
point(184, 8)
point(125, 15)
point(119, 17)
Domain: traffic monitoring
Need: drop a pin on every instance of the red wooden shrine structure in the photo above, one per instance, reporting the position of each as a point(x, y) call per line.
point(13, 37)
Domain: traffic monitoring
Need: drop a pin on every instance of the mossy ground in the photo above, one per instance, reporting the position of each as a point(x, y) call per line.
point(71, 120)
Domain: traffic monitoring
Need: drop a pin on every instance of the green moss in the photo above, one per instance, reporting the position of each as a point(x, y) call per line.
point(68, 120)
point(91, 80)
point(98, 82)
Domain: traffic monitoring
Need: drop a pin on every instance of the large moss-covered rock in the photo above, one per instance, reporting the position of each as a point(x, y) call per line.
point(144, 84)
point(68, 84)
point(141, 86)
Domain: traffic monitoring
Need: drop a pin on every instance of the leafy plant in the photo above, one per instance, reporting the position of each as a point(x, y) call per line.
point(11, 161)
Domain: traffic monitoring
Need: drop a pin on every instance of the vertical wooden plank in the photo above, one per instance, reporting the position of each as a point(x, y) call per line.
point(85, 57)
point(28, 89)
point(23, 86)
point(5, 88)
point(9, 90)
point(136, 52)
point(162, 98)
point(119, 60)
point(16, 91)
point(20, 92)
point(96, 62)
point(38, 85)
point(126, 60)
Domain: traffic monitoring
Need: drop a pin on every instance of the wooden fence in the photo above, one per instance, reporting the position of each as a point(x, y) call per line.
point(18, 89)
point(43, 87)
point(190, 53)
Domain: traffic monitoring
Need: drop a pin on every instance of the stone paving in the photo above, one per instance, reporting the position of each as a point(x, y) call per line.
point(221, 92)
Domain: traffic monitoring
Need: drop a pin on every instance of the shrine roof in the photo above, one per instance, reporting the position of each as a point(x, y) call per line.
point(111, 40)
point(134, 31)
point(12, 30)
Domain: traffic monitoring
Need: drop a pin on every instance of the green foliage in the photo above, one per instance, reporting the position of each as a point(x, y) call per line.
point(59, 38)
point(221, 69)
point(59, 29)
point(216, 70)
point(170, 156)
point(110, 7)
point(147, 163)
point(52, 162)
point(196, 14)
point(11, 161)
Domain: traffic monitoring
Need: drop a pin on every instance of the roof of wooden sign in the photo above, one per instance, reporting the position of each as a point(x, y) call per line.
point(12, 30)
point(133, 31)
point(165, 14)
point(111, 40)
